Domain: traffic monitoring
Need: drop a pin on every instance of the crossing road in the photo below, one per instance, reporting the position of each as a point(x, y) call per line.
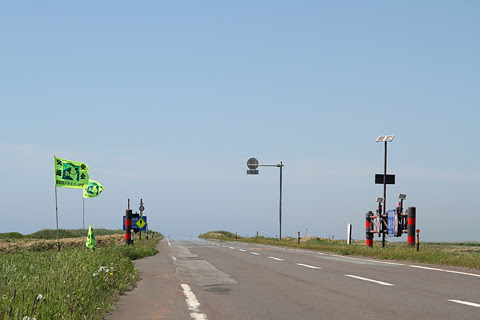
point(232, 281)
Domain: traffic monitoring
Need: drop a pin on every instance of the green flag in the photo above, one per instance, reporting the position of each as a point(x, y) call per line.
point(70, 174)
point(93, 189)
point(91, 239)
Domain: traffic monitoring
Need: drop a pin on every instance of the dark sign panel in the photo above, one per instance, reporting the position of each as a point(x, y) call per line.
point(390, 179)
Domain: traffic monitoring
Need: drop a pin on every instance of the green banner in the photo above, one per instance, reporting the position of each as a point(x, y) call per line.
point(91, 239)
point(93, 189)
point(70, 174)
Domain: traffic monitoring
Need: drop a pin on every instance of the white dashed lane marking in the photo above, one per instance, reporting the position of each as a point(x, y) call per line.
point(369, 280)
point(307, 266)
point(278, 259)
point(466, 303)
point(192, 303)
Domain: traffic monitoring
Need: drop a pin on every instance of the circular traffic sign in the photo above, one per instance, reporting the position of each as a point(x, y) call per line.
point(141, 208)
point(252, 163)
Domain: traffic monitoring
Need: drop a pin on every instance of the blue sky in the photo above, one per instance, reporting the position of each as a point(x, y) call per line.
point(167, 100)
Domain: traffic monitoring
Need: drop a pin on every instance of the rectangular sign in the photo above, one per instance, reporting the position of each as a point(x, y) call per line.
point(137, 224)
point(390, 179)
point(391, 223)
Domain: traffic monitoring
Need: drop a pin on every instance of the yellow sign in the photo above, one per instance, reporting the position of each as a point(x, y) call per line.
point(141, 223)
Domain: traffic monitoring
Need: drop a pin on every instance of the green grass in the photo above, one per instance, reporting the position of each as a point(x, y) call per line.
point(449, 254)
point(70, 284)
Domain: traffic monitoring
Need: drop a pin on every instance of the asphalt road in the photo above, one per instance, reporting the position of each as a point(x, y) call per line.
point(200, 279)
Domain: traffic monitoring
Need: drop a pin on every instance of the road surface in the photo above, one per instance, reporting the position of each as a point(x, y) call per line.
point(198, 279)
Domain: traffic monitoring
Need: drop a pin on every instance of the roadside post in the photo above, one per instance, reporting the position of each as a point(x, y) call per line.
point(141, 208)
point(411, 222)
point(369, 229)
point(349, 233)
point(128, 225)
point(298, 237)
point(418, 239)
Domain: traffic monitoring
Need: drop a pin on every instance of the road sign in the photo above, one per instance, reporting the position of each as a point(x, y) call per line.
point(141, 223)
point(135, 223)
point(376, 224)
point(142, 208)
point(390, 179)
point(391, 223)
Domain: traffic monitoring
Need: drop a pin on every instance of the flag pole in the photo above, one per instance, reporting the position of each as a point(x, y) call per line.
point(83, 225)
point(56, 213)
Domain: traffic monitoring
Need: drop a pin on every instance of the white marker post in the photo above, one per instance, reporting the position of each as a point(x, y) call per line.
point(349, 233)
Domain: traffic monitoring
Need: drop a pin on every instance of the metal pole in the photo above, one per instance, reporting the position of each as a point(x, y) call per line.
point(56, 213)
point(384, 196)
point(280, 207)
point(83, 224)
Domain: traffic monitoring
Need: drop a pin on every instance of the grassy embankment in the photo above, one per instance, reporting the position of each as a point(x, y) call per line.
point(449, 254)
point(38, 282)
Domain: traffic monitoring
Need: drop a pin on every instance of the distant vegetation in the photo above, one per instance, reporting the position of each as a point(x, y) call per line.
point(48, 234)
point(452, 254)
point(39, 282)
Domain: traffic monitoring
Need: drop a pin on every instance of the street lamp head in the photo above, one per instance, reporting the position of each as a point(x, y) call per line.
point(385, 138)
point(252, 163)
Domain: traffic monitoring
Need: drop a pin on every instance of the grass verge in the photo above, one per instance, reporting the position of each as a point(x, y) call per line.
point(70, 284)
point(452, 254)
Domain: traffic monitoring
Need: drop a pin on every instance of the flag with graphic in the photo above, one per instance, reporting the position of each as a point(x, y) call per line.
point(70, 174)
point(91, 239)
point(93, 189)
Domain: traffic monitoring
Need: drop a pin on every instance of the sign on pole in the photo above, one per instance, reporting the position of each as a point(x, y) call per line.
point(391, 223)
point(139, 223)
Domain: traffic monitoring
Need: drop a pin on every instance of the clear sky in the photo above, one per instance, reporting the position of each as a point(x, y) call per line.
point(167, 100)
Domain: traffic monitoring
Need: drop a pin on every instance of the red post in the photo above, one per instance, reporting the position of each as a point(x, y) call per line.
point(368, 229)
point(412, 213)
point(128, 226)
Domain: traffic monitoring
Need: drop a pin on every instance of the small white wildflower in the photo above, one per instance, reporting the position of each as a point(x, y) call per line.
point(4, 297)
point(39, 297)
point(107, 271)
point(95, 274)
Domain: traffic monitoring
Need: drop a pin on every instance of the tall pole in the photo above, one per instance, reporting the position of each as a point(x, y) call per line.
point(56, 214)
point(384, 196)
point(280, 206)
point(83, 224)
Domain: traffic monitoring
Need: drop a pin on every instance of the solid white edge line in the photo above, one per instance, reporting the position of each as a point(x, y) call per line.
point(443, 270)
point(466, 303)
point(369, 280)
point(307, 266)
point(242, 250)
point(278, 259)
point(192, 303)
point(255, 253)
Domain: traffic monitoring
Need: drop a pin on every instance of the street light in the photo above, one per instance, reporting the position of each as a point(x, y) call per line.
point(252, 165)
point(385, 139)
